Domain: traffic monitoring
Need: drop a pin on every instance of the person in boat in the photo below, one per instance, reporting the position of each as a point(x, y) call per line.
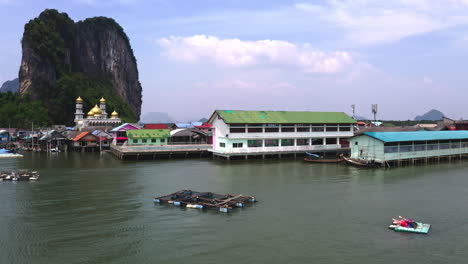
point(404, 222)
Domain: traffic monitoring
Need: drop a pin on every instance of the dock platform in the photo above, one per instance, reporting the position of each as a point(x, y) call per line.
point(205, 200)
point(161, 152)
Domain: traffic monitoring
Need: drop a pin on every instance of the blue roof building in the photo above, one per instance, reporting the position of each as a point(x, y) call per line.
point(390, 146)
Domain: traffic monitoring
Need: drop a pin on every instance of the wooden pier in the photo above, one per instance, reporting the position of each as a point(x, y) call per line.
point(205, 200)
point(161, 152)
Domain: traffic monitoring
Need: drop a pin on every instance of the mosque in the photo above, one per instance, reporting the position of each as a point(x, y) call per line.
point(97, 116)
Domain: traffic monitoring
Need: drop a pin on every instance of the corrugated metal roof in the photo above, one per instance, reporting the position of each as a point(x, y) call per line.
point(148, 133)
point(275, 117)
point(418, 135)
point(122, 127)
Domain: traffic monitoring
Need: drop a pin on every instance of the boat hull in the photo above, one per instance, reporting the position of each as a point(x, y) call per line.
point(324, 160)
point(421, 229)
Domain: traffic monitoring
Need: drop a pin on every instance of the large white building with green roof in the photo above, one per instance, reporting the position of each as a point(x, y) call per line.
point(245, 133)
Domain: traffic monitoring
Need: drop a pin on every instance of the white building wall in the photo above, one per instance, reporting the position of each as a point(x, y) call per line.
point(222, 135)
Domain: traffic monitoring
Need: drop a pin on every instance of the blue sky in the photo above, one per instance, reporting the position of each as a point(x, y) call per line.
point(408, 56)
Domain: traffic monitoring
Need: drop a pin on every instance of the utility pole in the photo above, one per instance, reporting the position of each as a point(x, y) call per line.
point(354, 109)
point(374, 111)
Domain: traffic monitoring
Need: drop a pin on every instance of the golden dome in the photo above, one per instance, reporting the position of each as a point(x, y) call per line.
point(90, 113)
point(96, 110)
point(79, 100)
point(115, 114)
point(102, 101)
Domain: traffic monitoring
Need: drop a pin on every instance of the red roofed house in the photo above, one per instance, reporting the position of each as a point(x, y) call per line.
point(86, 141)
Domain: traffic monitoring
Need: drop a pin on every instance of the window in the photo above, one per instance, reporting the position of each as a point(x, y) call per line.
point(331, 141)
point(345, 128)
point(222, 144)
point(303, 129)
point(356, 143)
point(237, 130)
point(271, 142)
point(419, 147)
point(271, 129)
point(332, 128)
point(237, 145)
point(390, 149)
point(406, 148)
point(255, 128)
point(153, 140)
point(162, 140)
point(318, 129)
point(287, 128)
point(455, 144)
point(302, 141)
point(254, 143)
point(135, 141)
point(444, 146)
point(144, 140)
point(317, 141)
point(287, 142)
point(433, 146)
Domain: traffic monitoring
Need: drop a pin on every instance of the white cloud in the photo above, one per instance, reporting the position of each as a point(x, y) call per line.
point(239, 53)
point(373, 22)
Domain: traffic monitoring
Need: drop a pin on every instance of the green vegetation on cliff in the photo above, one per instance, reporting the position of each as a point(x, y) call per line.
point(19, 111)
point(52, 37)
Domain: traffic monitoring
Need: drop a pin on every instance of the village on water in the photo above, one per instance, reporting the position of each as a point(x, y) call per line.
point(243, 135)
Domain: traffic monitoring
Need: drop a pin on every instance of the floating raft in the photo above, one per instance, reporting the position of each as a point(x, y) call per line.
point(205, 200)
point(421, 229)
point(21, 175)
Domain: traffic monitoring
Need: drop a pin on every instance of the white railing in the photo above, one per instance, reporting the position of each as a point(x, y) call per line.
point(278, 149)
point(280, 135)
point(147, 148)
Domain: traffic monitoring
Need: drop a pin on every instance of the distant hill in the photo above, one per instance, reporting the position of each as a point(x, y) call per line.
point(156, 117)
point(204, 120)
point(433, 115)
point(10, 86)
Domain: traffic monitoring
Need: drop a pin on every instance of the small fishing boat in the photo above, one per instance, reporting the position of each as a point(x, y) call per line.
point(361, 163)
point(319, 159)
point(421, 229)
point(4, 153)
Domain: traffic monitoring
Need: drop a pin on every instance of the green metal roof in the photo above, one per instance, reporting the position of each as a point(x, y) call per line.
point(278, 117)
point(418, 135)
point(148, 133)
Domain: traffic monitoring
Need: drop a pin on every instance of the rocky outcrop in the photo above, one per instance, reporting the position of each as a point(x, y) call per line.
point(10, 86)
point(63, 59)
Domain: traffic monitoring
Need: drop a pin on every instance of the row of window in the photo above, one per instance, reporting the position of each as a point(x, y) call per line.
point(153, 140)
point(411, 148)
point(286, 129)
point(258, 143)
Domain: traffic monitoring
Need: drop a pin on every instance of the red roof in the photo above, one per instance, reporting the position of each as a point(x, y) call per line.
point(155, 126)
point(361, 123)
point(82, 135)
point(205, 125)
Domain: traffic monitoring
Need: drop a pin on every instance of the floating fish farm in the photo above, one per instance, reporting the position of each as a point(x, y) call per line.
point(22, 175)
point(205, 200)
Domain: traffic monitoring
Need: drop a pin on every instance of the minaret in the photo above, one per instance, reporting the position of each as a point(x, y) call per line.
point(102, 105)
point(79, 109)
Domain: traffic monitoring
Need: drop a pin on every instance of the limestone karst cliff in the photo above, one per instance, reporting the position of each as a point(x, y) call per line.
point(91, 58)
